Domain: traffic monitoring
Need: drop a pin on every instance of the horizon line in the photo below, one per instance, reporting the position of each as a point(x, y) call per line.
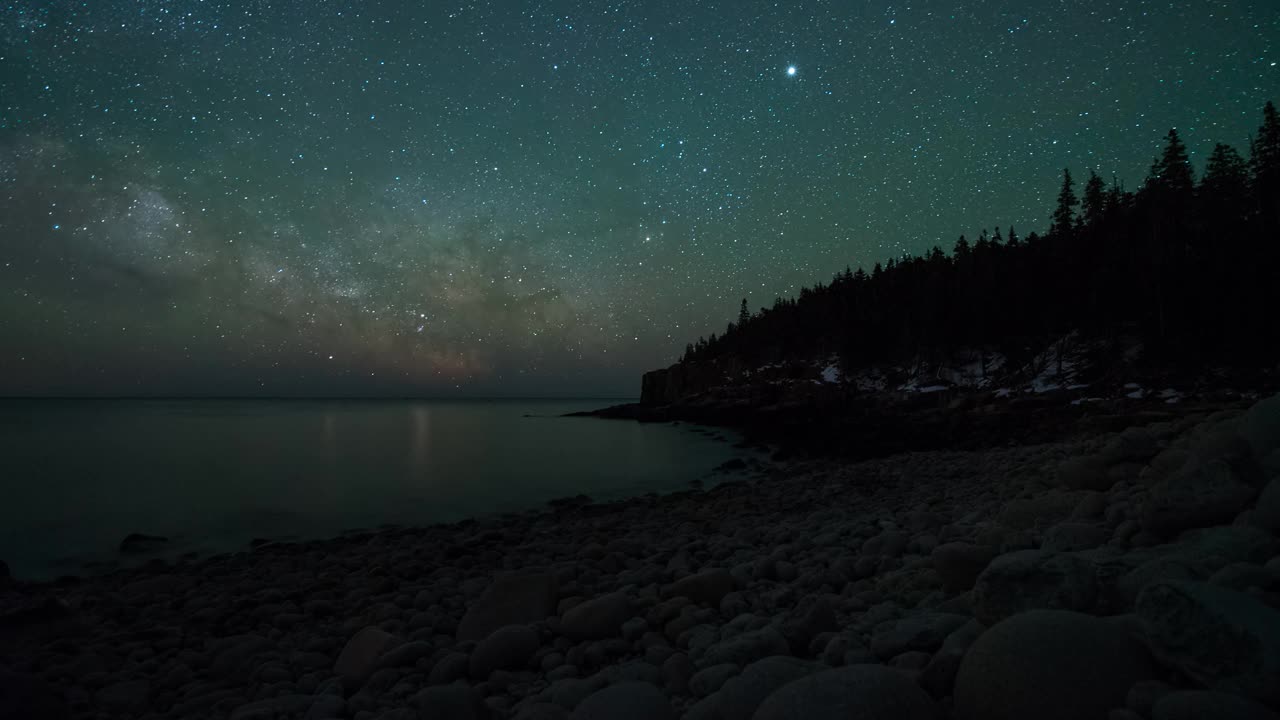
point(316, 397)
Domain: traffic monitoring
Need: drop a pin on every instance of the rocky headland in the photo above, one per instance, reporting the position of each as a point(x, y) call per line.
point(1109, 573)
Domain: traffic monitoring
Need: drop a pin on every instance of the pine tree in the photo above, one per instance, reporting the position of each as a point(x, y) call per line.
point(1013, 238)
point(1095, 200)
point(1226, 175)
point(744, 314)
point(1171, 175)
point(983, 243)
point(961, 250)
point(1064, 214)
point(1266, 148)
point(1265, 163)
point(1117, 198)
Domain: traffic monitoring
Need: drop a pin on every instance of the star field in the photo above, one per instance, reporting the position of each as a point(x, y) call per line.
point(339, 197)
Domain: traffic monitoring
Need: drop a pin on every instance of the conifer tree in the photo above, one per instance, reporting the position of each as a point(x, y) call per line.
point(1226, 175)
point(1172, 175)
point(744, 314)
point(1265, 162)
point(1095, 200)
point(1064, 215)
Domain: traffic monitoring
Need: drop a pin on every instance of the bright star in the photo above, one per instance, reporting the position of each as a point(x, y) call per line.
point(791, 70)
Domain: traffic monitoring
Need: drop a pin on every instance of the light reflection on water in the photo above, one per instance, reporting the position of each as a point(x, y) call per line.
point(212, 474)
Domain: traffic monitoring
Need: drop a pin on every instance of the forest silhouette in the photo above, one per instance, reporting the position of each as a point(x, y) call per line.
point(1188, 268)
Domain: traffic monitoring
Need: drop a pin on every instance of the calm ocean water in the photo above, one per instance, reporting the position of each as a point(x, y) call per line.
point(77, 476)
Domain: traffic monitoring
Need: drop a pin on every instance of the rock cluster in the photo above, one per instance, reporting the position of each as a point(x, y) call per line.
point(1134, 575)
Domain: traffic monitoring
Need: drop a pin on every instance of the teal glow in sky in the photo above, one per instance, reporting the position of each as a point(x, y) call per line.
point(216, 197)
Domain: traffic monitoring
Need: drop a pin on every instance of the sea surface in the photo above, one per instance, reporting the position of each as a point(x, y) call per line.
point(77, 476)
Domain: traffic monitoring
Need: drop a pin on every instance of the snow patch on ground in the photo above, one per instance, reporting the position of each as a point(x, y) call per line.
point(831, 373)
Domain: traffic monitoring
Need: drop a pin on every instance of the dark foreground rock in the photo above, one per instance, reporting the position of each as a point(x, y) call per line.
point(1049, 664)
point(872, 692)
point(135, 543)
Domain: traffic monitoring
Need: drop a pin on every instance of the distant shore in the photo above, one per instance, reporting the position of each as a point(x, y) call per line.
point(703, 603)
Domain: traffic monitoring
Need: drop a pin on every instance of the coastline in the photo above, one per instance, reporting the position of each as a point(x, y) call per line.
point(804, 568)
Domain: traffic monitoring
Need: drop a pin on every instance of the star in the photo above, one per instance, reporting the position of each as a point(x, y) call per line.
point(791, 70)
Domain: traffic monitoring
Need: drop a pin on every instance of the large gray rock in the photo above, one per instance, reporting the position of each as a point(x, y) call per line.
point(359, 657)
point(890, 543)
point(1260, 427)
point(1049, 665)
point(708, 680)
point(1073, 536)
point(520, 598)
point(404, 655)
point(1087, 472)
point(1218, 547)
point(814, 615)
point(939, 676)
point(1202, 704)
point(1144, 695)
point(747, 647)
point(1033, 579)
point(677, 670)
point(325, 707)
point(130, 697)
point(1224, 639)
point(741, 696)
point(541, 711)
point(1205, 491)
point(707, 587)
point(453, 666)
point(925, 631)
point(866, 692)
point(508, 648)
point(959, 564)
point(280, 706)
point(1266, 514)
point(597, 618)
point(1043, 510)
point(1165, 567)
point(625, 701)
point(450, 702)
point(232, 655)
point(1135, 444)
point(568, 693)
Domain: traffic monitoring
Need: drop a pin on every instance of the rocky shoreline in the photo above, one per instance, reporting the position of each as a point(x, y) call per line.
point(1121, 575)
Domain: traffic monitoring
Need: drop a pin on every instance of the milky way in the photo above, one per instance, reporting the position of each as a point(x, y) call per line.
point(225, 197)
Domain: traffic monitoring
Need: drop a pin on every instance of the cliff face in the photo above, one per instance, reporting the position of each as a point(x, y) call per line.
point(665, 386)
point(683, 380)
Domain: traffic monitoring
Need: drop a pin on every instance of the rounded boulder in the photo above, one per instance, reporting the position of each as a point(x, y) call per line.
point(508, 648)
point(1050, 665)
point(867, 692)
point(597, 618)
point(625, 701)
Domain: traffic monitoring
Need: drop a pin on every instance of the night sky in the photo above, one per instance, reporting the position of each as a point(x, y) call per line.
point(544, 198)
